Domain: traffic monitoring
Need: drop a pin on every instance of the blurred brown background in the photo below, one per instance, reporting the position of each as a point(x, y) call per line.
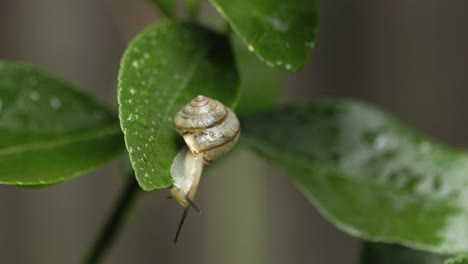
point(409, 57)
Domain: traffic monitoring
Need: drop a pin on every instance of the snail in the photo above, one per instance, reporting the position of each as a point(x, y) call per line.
point(210, 130)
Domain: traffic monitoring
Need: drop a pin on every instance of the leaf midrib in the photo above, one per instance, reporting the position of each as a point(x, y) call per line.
point(62, 140)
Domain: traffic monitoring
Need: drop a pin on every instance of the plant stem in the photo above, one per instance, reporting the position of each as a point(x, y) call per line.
point(115, 221)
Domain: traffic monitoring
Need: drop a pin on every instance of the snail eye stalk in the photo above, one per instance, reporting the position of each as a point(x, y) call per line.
point(181, 223)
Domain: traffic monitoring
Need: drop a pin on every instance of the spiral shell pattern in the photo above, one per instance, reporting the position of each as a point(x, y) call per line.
point(209, 128)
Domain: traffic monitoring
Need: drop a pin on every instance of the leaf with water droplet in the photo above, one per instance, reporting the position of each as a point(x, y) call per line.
point(276, 30)
point(49, 132)
point(176, 62)
point(368, 174)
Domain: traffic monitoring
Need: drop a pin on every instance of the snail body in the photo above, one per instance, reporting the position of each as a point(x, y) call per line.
point(210, 130)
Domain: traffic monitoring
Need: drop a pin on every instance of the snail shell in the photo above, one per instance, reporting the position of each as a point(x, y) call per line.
point(209, 128)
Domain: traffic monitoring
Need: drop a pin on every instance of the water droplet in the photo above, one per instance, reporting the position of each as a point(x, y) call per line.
point(309, 44)
point(251, 48)
point(288, 67)
point(425, 147)
point(277, 24)
point(135, 64)
point(381, 142)
point(55, 102)
point(146, 55)
point(132, 90)
point(34, 95)
point(142, 121)
point(130, 150)
point(279, 62)
point(131, 118)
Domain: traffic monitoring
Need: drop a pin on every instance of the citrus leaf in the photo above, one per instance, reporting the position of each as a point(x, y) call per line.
point(379, 253)
point(163, 68)
point(50, 132)
point(280, 32)
point(371, 176)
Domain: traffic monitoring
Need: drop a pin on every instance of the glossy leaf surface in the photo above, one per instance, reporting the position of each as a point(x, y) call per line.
point(371, 176)
point(280, 32)
point(50, 132)
point(165, 67)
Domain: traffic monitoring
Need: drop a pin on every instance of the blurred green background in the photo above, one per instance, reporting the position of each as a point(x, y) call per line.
point(408, 57)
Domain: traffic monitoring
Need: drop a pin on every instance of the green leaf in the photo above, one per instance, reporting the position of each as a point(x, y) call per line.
point(165, 67)
point(458, 260)
point(165, 6)
point(371, 176)
point(378, 253)
point(50, 132)
point(259, 84)
point(280, 32)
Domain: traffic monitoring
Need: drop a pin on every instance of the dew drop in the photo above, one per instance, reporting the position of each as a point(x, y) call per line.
point(309, 44)
point(142, 121)
point(135, 64)
point(251, 48)
point(425, 147)
point(55, 102)
point(277, 24)
point(34, 95)
point(132, 90)
point(131, 118)
point(288, 67)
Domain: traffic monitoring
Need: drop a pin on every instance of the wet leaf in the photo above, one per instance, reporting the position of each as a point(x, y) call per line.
point(368, 174)
point(280, 32)
point(50, 132)
point(164, 67)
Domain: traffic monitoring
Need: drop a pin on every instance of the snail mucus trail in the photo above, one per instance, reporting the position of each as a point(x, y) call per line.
point(210, 130)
